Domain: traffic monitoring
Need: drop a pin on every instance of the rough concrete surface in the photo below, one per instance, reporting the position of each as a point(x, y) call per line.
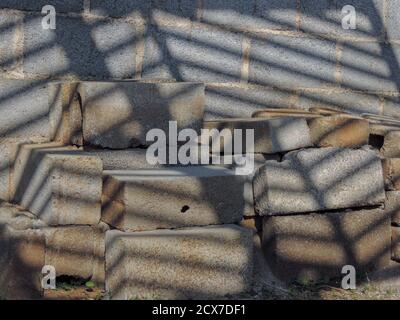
point(179, 264)
point(319, 179)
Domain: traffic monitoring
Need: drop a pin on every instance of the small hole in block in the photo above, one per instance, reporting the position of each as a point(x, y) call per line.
point(185, 208)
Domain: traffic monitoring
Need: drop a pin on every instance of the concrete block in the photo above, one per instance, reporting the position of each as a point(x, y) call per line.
point(58, 184)
point(270, 136)
point(102, 50)
point(118, 115)
point(8, 153)
point(259, 160)
point(186, 196)
point(348, 101)
point(120, 8)
point(369, 66)
point(76, 251)
point(391, 146)
point(396, 244)
point(339, 131)
point(195, 54)
point(393, 18)
point(292, 62)
point(8, 46)
point(392, 206)
point(167, 9)
point(317, 246)
point(253, 15)
point(242, 102)
point(22, 255)
point(319, 179)
point(179, 264)
point(325, 18)
point(391, 107)
point(28, 244)
point(24, 111)
point(65, 113)
point(391, 173)
point(61, 6)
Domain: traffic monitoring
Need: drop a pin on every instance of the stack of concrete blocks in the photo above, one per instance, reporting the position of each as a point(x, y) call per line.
point(73, 154)
point(92, 205)
point(320, 204)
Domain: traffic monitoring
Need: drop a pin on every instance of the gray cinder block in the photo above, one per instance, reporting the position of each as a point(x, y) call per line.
point(369, 66)
point(319, 179)
point(118, 115)
point(393, 19)
point(270, 135)
point(76, 251)
point(325, 17)
point(186, 196)
point(196, 54)
point(102, 50)
point(317, 246)
point(242, 102)
point(61, 6)
point(292, 62)
point(391, 147)
point(392, 206)
point(28, 244)
point(8, 46)
point(58, 184)
point(179, 264)
point(24, 111)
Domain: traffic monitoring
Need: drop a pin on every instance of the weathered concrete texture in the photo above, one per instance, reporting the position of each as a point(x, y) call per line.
point(396, 244)
point(270, 136)
point(259, 160)
point(291, 62)
point(339, 131)
point(393, 18)
point(8, 48)
point(76, 251)
point(28, 244)
point(186, 196)
point(325, 17)
point(8, 152)
point(65, 113)
point(391, 107)
point(246, 99)
point(392, 206)
point(272, 113)
point(391, 173)
point(143, 9)
point(317, 246)
point(319, 179)
point(368, 66)
point(354, 102)
point(129, 159)
point(262, 274)
point(251, 14)
point(179, 264)
point(196, 54)
point(101, 49)
point(37, 5)
point(22, 255)
point(58, 184)
point(119, 115)
point(24, 111)
point(391, 146)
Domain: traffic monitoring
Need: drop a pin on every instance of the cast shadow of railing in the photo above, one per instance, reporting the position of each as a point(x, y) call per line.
point(190, 55)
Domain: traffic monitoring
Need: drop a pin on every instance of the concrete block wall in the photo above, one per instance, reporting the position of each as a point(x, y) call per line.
point(250, 54)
